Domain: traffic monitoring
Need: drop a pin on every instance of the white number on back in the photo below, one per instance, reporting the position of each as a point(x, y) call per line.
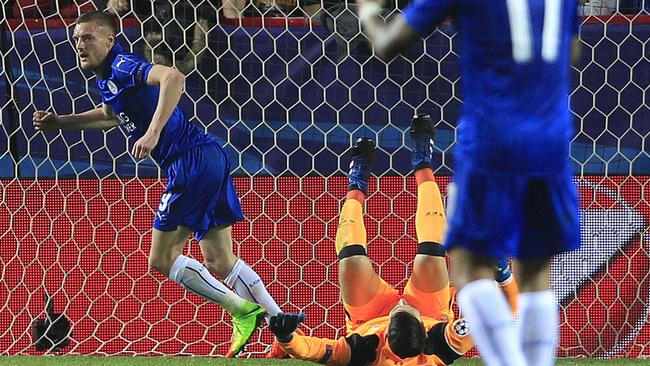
point(521, 31)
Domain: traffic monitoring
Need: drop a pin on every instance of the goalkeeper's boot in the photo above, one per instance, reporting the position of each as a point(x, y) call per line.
point(363, 155)
point(422, 135)
point(507, 283)
point(243, 326)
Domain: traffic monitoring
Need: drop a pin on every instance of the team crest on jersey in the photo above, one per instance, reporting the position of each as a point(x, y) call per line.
point(111, 86)
point(461, 327)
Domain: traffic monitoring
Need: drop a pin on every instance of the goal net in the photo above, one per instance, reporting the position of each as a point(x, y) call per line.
point(287, 96)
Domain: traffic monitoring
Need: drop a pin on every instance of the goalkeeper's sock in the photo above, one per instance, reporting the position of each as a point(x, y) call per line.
point(248, 284)
point(539, 327)
point(196, 278)
point(430, 220)
point(351, 230)
point(488, 314)
point(355, 194)
point(424, 175)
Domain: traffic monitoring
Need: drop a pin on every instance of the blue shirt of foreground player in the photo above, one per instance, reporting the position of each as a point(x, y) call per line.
point(124, 88)
point(506, 125)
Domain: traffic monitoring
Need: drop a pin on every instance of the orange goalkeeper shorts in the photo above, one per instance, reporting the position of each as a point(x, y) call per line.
point(430, 304)
point(381, 304)
point(434, 305)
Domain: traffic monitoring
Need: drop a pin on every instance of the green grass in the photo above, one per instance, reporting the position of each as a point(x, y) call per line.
point(201, 361)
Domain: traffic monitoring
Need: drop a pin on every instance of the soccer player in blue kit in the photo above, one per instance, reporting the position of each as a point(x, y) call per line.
point(512, 191)
point(199, 197)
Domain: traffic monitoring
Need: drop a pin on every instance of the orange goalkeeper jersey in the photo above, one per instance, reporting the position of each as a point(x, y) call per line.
point(368, 345)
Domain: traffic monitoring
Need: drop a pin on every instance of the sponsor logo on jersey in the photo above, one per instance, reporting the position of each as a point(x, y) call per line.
point(111, 86)
point(125, 122)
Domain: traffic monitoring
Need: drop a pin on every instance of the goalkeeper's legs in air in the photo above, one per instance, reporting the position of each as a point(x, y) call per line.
point(167, 258)
point(365, 295)
point(358, 280)
point(428, 288)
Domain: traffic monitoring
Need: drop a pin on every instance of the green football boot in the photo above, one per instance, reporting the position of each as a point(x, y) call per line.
point(244, 324)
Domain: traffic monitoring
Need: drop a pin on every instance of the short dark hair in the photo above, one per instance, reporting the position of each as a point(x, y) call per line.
point(101, 17)
point(406, 335)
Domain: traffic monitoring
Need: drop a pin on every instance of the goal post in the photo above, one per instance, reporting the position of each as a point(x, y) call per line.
point(287, 97)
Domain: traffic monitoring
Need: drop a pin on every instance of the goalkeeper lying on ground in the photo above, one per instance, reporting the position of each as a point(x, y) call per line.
point(384, 327)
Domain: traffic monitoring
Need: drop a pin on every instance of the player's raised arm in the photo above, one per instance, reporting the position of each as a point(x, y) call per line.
point(171, 83)
point(95, 119)
point(390, 39)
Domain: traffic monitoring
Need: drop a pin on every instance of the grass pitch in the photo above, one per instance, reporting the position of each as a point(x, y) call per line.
point(202, 361)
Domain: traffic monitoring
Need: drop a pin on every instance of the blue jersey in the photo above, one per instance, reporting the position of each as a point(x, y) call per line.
point(124, 88)
point(514, 57)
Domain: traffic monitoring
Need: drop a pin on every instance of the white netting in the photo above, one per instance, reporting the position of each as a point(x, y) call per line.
point(287, 96)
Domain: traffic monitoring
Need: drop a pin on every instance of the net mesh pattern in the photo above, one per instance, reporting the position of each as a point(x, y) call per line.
point(287, 97)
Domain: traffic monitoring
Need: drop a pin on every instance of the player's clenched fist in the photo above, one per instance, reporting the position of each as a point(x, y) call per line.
point(45, 121)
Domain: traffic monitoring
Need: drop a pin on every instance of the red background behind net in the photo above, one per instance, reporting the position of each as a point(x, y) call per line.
point(86, 242)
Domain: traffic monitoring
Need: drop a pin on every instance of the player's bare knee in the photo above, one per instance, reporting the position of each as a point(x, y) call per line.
point(352, 262)
point(353, 256)
point(217, 268)
point(534, 275)
point(468, 267)
point(220, 266)
point(160, 263)
point(429, 257)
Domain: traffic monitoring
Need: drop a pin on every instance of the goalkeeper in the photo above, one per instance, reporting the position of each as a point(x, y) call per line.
point(384, 327)
point(200, 197)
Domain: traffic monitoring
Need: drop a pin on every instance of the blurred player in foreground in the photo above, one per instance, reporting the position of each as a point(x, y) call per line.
point(384, 327)
point(513, 193)
point(200, 197)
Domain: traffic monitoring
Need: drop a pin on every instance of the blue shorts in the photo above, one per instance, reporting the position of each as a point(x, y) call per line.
point(508, 214)
point(200, 194)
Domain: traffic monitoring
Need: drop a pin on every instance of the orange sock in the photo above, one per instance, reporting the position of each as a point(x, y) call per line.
point(430, 220)
point(355, 194)
point(424, 175)
point(351, 229)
